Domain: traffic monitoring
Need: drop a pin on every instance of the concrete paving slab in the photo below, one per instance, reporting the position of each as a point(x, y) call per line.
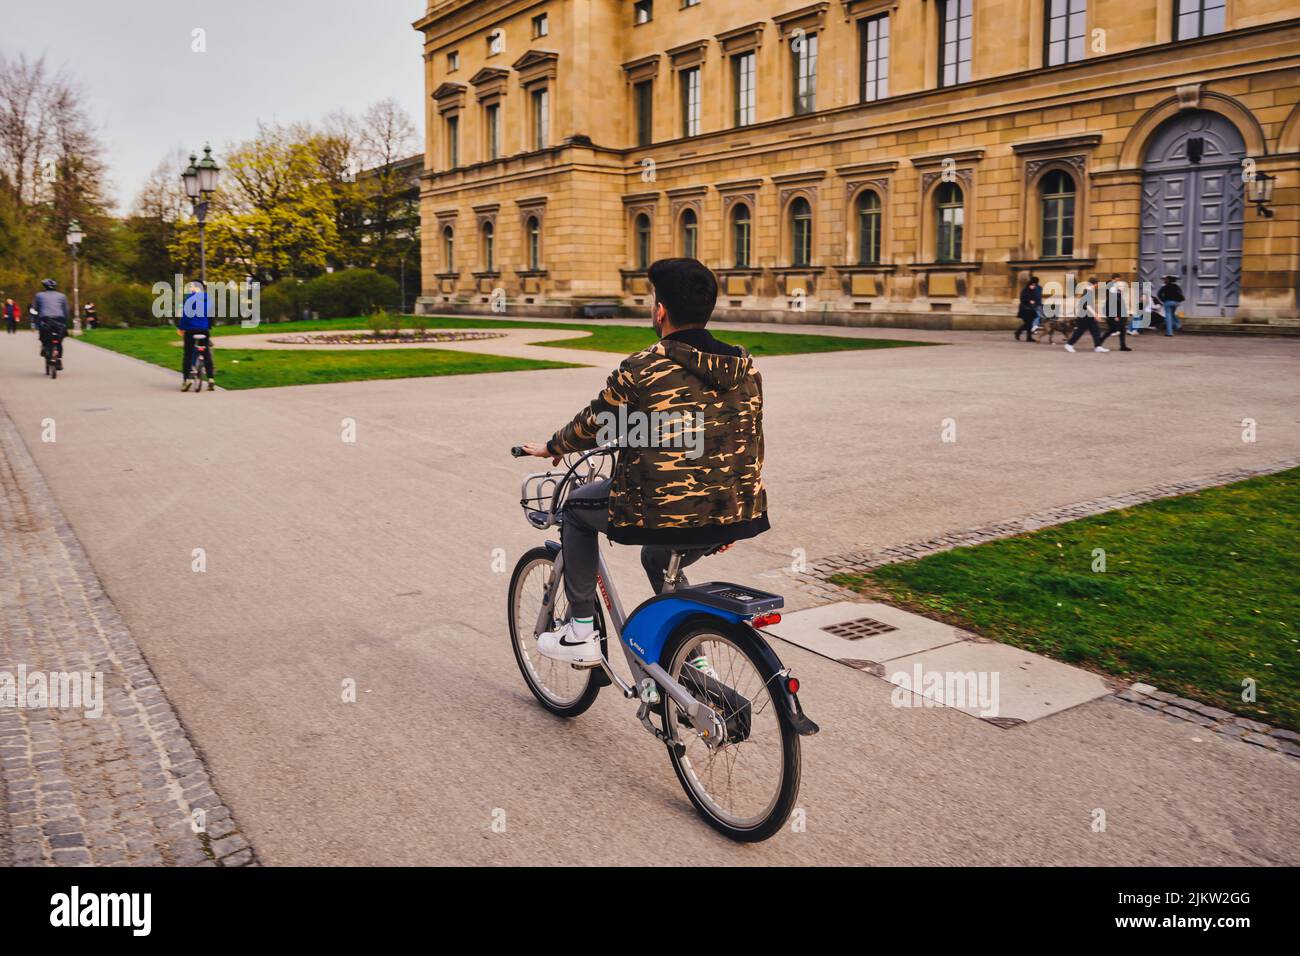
point(993, 681)
point(912, 633)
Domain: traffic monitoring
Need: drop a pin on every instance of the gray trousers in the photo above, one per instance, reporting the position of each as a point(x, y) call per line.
point(586, 517)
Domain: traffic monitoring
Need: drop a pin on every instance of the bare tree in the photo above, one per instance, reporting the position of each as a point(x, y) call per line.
point(23, 98)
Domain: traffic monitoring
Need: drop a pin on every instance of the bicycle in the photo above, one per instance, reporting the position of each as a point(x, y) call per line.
point(54, 352)
point(199, 364)
point(727, 710)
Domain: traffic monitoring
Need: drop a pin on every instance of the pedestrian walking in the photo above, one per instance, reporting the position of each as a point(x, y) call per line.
point(1086, 293)
point(1030, 311)
point(1115, 311)
point(11, 316)
point(1170, 297)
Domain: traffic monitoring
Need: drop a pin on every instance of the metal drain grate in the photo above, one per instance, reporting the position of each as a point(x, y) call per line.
point(858, 629)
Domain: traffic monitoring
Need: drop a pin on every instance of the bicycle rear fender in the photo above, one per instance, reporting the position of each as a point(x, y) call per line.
point(652, 623)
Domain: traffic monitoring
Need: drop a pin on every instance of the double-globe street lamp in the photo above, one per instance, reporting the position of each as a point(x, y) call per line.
point(74, 236)
point(200, 183)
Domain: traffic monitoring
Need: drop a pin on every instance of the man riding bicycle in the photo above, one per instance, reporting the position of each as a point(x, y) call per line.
point(195, 320)
point(687, 413)
point(50, 314)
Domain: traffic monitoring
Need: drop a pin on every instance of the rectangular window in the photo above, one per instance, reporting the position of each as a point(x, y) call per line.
point(643, 11)
point(1066, 30)
point(803, 50)
point(955, 41)
point(691, 101)
point(644, 93)
point(492, 120)
point(1200, 18)
point(874, 40)
point(496, 42)
point(453, 61)
point(453, 141)
point(541, 118)
point(740, 239)
point(541, 26)
point(745, 90)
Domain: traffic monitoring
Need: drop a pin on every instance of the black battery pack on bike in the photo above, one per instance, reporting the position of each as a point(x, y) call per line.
point(735, 598)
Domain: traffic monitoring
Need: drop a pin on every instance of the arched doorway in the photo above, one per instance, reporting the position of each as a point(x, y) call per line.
point(1192, 204)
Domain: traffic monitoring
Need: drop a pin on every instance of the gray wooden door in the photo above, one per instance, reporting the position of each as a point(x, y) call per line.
point(1192, 208)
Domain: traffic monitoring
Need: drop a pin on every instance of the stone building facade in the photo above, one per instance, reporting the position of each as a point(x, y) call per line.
point(873, 162)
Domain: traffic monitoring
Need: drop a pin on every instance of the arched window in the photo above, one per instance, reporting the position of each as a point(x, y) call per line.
point(534, 228)
point(949, 217)
point(643, 242)
point(800, 232)
point(690, 234)
point(1057, 192)
point(741, 221)
point(449, 249)
point(869, 223)
point(489, 248)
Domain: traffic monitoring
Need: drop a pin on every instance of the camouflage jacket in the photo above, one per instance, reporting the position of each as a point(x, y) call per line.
point(690, 427)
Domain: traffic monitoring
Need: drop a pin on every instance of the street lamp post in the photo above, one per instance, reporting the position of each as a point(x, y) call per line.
point(74, 237)
point(200, 183)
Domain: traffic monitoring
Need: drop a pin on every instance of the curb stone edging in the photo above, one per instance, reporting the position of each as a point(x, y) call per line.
point(121, 788)
point(1222, 722)
point(858, 561)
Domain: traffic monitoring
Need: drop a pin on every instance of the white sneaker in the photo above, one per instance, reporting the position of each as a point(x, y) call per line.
point(1101, 348)
point(1069, 347)
point(563, 645)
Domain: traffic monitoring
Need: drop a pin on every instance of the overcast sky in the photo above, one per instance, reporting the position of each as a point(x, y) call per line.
point(284, 60)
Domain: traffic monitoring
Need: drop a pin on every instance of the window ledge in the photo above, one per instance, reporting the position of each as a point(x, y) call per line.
point(865, 267)
point(945, 266)
point(1049, 263)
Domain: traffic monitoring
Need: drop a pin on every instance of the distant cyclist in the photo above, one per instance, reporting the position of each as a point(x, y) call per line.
point(195, 320)
point(50, 315)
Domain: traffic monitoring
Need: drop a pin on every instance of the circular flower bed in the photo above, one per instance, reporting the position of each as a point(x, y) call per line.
point(386, 338)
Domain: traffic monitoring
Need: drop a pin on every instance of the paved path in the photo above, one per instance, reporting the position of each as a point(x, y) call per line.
point(374, 562)
point(114, 779)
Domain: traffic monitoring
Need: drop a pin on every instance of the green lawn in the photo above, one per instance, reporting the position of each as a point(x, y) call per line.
point(266, 368)
point(623, 339)
point(1199, 593)
point(269, 368)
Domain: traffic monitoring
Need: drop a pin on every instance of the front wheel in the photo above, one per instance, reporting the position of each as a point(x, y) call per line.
point(746, 786)
point(561, 688)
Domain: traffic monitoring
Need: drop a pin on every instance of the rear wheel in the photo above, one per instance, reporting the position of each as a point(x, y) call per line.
point(745, 787)
point(559, 687)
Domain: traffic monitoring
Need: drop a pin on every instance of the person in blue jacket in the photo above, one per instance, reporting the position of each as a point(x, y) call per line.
point(196, 319)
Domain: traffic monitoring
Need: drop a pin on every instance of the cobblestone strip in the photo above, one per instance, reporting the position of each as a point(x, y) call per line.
point(815, 585)
point(859, 561)
point(1222, 722)
point(125, 787)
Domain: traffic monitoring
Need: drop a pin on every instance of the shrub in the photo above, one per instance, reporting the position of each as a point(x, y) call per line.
point(351, 292)
point(283, 301)
point(126, 304)
point(378, 323)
